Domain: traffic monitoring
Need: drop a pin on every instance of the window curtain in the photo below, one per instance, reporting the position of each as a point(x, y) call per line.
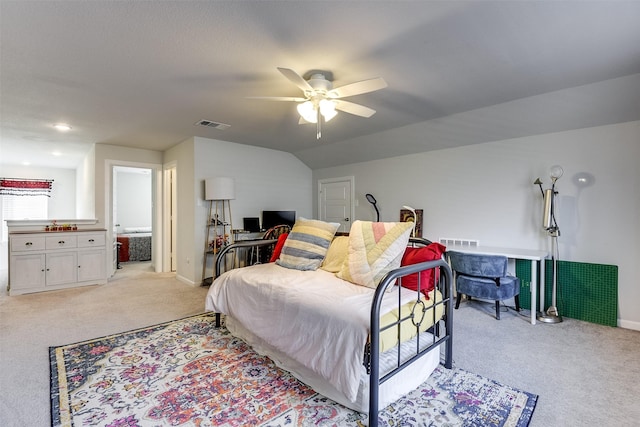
point(25, 187)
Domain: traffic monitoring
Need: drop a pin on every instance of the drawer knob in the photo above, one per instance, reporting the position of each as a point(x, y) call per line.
point(91, 240)
point(28, 244)
point(61, 242)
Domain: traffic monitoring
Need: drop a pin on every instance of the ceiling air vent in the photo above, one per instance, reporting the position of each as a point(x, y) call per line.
point(212, 124)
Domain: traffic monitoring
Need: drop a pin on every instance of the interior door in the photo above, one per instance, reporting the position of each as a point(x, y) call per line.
point(335, 201)
point(174, 212)
point(114, 223)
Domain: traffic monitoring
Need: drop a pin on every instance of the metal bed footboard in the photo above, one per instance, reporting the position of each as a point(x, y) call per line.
point(442, 329)
point(234, 251)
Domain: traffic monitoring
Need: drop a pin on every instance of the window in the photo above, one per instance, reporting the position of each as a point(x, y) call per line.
point(21, 207)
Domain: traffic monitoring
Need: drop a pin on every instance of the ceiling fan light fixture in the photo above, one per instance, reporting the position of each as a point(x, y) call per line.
point(321, 100)
point(307, 111)
point(328, 109)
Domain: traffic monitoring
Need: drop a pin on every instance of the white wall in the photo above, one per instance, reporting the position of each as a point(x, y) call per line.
point(182, 155)
point(486, 192)
point(264, 179)
point(133, 199)
point(85, 186)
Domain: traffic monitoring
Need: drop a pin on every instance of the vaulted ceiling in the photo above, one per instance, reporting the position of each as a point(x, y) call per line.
point(141, 74)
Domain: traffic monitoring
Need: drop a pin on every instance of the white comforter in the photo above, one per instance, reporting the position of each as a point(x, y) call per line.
point(314, 317)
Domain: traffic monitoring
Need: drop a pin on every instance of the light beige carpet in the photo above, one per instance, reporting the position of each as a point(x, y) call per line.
point(584, 374)
point(29, 324)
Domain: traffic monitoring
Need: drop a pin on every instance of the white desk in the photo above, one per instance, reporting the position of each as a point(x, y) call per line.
point(514, 253)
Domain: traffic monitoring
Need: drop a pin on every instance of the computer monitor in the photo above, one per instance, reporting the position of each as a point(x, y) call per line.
point(251, 224)
point(273, 218)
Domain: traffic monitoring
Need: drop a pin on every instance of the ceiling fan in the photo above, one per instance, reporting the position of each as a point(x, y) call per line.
point(321, 100)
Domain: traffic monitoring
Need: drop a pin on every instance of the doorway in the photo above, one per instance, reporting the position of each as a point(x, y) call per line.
point(133, 214)
point(116, 225)
point(335, 201)
point(170, 218)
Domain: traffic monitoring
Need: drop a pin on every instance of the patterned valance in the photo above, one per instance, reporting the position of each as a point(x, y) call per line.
point(25, 187)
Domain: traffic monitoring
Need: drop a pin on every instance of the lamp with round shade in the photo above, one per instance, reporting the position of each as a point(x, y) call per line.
point(219, 191)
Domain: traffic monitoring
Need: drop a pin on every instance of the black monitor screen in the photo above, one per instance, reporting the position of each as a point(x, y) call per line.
point(273, 218)
point(251, 224)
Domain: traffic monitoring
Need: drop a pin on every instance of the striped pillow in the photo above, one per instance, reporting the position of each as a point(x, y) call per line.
point(375, 248)
point(307, 244)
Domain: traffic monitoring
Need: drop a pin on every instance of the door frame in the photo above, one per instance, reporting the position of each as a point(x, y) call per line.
point(156, 220)
point(170, 216)
point(352, 181)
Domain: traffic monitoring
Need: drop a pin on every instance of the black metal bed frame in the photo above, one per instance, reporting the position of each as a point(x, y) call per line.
point(440, 333)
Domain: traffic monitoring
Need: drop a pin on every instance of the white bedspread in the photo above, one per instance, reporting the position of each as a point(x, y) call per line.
point(319, 320)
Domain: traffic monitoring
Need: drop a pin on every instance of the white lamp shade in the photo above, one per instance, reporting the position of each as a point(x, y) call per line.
point(220, 188)
point(308, 111)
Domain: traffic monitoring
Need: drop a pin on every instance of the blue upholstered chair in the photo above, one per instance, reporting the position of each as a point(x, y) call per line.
point(484, 277)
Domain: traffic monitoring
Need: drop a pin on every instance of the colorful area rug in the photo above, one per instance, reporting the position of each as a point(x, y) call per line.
point(188, 373)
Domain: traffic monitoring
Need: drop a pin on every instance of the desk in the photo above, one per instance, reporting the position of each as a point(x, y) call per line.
point(514, 253)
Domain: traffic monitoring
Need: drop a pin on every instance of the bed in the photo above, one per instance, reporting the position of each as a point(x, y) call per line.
point(135, 244)
point(317, 325)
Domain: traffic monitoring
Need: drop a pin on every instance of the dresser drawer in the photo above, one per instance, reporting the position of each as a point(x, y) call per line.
point(27, 243)
point(61, 241)
point(90, 240)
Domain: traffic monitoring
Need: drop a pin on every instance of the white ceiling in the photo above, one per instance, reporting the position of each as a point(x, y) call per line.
point(140, 74)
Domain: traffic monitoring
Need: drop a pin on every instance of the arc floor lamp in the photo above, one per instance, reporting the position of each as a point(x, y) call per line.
point(550, 225)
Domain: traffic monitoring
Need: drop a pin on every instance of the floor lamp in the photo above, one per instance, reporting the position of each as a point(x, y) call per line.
point(219, 192)
point(550, 224)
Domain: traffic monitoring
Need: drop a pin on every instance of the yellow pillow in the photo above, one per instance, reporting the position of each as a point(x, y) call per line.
point(307, 244)
point(336, 254)
point(375, 248)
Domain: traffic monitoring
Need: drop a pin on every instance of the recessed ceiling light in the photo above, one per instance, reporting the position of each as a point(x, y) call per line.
point(56, 153)
point(62, 127)
point(26, 163)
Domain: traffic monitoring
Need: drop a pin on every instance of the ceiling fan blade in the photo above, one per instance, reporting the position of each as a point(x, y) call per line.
point(358, 88)
point(355, 109)
point(296, 79)
point(278, 98)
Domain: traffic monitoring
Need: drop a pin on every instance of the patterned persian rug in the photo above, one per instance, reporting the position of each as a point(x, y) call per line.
point(188, 373)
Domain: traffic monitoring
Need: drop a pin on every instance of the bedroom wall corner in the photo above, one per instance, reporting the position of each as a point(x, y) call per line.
point(257, 187)
point(182, 155)
point(85, 186)
point(485, 191)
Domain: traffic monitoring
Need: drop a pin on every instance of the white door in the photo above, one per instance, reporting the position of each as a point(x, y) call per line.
point(335, 201)
point(170, 207)
point(114, 222)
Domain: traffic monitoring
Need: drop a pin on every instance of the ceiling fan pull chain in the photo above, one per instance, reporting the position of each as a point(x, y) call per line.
point(318, 126)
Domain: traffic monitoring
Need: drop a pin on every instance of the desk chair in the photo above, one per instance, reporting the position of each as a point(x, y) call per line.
point(484, 277)
point(273, 233)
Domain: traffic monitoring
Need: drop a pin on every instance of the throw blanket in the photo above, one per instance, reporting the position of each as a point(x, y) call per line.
point(314, 317)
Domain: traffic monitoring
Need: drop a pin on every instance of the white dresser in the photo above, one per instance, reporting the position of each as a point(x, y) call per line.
point(43, 261)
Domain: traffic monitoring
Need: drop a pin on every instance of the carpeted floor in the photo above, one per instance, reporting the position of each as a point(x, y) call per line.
point(584, 374)
point(187, 372)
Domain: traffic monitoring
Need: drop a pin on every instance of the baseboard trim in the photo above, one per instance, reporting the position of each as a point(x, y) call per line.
point(627, 324)
point(186, 281)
